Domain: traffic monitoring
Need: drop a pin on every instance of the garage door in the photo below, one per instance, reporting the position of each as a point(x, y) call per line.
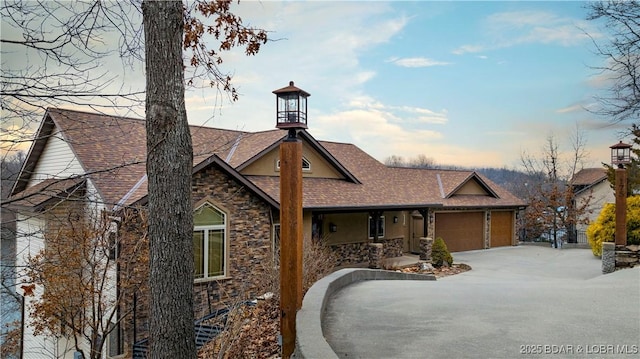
point(501, 229)
point(461, 231)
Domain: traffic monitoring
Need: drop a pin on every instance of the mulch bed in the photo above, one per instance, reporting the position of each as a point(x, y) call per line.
point(440, 272)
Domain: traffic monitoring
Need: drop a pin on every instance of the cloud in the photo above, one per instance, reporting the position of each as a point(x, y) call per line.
point(468, 49)
point(418, 62)
point(572, 108)
point(403, 114)
point(512, 28)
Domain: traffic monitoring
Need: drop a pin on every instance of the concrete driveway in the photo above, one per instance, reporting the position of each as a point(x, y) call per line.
point(525, 301)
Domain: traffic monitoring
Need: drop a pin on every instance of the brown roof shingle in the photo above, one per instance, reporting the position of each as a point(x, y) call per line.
point(589, 176)
point(112, 151)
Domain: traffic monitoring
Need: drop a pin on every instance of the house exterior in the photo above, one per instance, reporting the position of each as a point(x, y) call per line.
point(590, 185)
point(97, 162)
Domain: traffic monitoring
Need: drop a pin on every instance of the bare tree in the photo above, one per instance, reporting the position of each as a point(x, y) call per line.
point(622, 54)
point(395, 161)
point(69, 40)
point(552, 209)
point(53, 54)
point(420, 161)
point(79, 304)
point(11, 302)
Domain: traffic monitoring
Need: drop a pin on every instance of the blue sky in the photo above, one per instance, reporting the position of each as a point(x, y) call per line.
point(465, 83)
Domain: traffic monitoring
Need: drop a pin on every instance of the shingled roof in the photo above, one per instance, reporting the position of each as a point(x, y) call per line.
point(112, 152)
point(589, 176)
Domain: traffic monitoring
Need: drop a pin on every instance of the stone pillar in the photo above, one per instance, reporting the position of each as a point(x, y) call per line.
point(425, 249)
point(376, 255)
point(608, 257)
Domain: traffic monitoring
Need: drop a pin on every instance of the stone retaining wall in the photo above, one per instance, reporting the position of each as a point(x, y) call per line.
point(349, 254)
point(627, 256)
point(616, 257)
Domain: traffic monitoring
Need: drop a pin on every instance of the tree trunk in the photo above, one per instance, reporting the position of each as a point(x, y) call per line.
point(169, 166)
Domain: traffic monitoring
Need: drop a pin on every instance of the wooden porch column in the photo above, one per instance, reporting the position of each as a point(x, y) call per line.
point(290, 240)
point(621, 206)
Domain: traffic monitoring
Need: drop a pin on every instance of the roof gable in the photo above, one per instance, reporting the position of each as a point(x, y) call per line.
point(311, 144)
point(472, 185)
point(139, 197)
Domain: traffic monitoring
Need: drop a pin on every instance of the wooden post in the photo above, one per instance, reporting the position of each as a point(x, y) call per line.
point(621, 206)
point(290, 240)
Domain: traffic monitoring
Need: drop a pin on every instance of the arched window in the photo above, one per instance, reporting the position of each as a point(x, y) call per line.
point(209, 242)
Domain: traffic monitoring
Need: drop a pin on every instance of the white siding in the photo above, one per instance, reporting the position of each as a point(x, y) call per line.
point(29, 243)
point(602, 193)
point(56, 161)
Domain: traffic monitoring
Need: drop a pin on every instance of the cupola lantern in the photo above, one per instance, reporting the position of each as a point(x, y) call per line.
point(291, 108)
point(620, 154)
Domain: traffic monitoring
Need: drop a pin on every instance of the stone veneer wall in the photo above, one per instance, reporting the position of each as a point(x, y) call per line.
point(627, 256)
point(618, 257)
point(250, 257)
point(358, 253)
point(249, 251)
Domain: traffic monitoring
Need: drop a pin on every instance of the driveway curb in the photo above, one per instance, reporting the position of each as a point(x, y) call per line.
point(310, 340)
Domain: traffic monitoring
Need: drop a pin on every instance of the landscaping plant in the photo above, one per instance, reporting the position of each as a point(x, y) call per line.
point(604, 228)
point(440, 254)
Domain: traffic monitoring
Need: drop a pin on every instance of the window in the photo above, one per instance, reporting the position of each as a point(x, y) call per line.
point(306, 165)
point(372, 228)
point(209, 242)
point(115, 343)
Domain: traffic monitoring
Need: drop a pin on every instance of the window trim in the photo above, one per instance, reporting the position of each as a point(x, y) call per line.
point(205, 248)
point(383, 228)
point(304, 160)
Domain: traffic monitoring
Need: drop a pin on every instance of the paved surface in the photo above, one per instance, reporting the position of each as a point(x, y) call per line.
point(515, 302)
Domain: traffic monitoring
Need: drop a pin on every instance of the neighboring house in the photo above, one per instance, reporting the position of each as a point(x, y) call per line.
point(99, 160)
point(590, 185)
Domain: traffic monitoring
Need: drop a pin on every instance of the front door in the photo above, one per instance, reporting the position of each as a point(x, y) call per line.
point(417, 232)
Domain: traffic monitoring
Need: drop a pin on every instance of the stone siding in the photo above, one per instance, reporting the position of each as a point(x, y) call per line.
point(351, 254)
point(627, 256)
point(250, 266)
point(249, 256)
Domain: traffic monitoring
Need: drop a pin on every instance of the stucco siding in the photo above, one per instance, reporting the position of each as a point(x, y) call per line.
point(56, 161)
point(267, 165)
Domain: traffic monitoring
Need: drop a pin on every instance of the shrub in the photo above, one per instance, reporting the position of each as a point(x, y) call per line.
point(440, 254)
point(604, 228)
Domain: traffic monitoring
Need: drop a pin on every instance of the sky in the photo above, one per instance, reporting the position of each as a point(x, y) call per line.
point(465, 83)
point(471, 84)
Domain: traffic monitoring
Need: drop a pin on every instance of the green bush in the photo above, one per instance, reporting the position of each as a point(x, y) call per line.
point(604, 228)
point(440, 254)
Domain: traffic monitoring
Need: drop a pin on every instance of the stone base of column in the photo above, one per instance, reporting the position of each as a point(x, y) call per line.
point(608, 257)
point(425, 249)
point(376, 255)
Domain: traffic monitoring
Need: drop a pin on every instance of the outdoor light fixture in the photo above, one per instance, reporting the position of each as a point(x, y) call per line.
point(291, 107)
point(395, 219)
point(333, 227)
point(620, 154)
point(291, 115)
